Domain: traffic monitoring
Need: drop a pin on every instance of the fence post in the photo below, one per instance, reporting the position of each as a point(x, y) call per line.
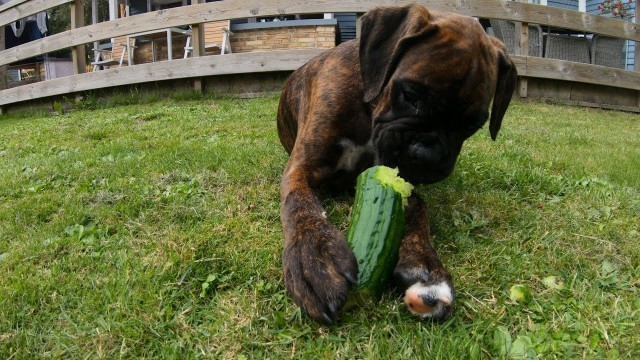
point(78, 53)
point(3, 68)
point(197, 42)
point(521, 47)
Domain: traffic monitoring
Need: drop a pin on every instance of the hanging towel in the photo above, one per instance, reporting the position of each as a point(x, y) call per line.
point(41, 21)
point(18, 27)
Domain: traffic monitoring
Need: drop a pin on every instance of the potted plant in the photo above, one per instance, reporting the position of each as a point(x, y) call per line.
point(617, 8)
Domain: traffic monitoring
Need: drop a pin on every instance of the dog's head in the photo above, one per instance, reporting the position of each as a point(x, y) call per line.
point(431, 78)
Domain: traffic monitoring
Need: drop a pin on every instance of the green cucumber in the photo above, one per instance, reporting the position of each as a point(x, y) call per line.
point(376, 228)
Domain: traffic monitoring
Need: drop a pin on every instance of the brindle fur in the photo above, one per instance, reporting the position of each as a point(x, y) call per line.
point(351, 92)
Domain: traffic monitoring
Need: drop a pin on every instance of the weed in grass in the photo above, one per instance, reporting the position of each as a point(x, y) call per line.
point(142, 229)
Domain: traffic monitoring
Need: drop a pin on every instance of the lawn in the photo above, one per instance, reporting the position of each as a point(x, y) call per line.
point(150, 229)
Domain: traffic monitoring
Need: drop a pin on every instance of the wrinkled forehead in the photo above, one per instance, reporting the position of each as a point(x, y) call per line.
point(459, 54)
point(460, 28)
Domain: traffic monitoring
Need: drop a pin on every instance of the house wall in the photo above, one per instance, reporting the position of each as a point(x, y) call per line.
point(565, 4)
point(298, 37)
point(213, 32)
point(592, 6)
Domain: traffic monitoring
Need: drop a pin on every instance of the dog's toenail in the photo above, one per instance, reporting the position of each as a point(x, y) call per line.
point(327, 319)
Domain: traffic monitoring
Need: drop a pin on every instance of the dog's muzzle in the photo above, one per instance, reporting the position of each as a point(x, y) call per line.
point(422, 157)
point(427, 150)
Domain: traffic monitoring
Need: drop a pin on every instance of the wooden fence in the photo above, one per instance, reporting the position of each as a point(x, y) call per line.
point(196, 67)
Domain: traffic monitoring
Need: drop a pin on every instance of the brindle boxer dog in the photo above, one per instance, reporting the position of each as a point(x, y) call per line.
point(407, 94)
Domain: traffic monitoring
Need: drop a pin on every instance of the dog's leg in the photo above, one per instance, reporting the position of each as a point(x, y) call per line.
point(319, 266)
point(419, 274)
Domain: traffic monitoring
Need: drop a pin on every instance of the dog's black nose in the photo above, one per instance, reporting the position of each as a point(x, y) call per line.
point(429, 152)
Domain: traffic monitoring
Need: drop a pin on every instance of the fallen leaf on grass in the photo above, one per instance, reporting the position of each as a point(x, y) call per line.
point(522, 348)
point(520, 294)
point(501, 342)
point(553, 282)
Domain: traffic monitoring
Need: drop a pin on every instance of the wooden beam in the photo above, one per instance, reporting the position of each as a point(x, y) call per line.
point(197, 35)
point(522, 48)
point(3, 68)
point(198, 67)
point(285, 61)
point(78, 52)
point(18, 9)
point(603, 106)
point(224, 10)
point(11, 4)
point(256, 62)
point(585, 73)
point(521, 64)
point(197, 41)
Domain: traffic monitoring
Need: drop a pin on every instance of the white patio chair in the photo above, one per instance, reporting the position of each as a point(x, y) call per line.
point(223, 47)
point(104, 57)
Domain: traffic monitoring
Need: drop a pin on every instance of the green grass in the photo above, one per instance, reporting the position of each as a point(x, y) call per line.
point(151, 230)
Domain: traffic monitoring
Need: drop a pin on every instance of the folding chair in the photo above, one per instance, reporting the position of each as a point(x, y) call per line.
point(103, 57)
point(224, 47)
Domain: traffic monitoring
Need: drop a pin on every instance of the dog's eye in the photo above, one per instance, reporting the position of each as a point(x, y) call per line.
point(411, 97)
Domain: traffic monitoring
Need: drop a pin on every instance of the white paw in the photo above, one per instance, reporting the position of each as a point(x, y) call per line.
point(429, 301)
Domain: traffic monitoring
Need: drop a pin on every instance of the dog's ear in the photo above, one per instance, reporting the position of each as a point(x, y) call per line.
point(385, 31)
point(506, 85)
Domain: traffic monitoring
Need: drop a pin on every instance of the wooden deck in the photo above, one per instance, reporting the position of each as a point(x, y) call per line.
point(544, 73)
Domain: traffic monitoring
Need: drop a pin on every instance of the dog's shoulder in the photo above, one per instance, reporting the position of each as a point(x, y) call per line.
point(339, 59)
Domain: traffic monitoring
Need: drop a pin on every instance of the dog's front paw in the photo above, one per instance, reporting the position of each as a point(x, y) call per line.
point(319, 269)
point(429, 295)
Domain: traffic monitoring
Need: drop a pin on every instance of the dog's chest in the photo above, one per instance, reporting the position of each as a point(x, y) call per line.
point(353, 155)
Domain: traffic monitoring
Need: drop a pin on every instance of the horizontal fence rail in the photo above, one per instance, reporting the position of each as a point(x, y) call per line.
point(195, 67)
point(18, 9)
point(255, 62)
point(543, 68)
point(283, 60)
point(224, 10)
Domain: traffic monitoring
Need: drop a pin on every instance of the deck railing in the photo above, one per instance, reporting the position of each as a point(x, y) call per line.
point(529, 67)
